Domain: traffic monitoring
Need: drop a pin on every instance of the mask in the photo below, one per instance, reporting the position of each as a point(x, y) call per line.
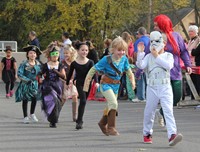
point(156, 40)
point(54, 54)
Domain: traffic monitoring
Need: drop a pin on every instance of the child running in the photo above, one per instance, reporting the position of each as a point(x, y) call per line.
point(28, 86)
point(70, 55)
point(112, 67)
point(157, 65)
point(9, 74)
point(52, 86)
point(81, 66)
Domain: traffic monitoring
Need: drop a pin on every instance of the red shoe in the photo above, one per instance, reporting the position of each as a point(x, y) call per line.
point(175, 139)
point(148, 139)
point(11, 93)
point(8, 95)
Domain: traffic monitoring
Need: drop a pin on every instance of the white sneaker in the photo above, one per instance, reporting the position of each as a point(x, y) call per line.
point(160, 118)
point(26, 120)
point(33, 118)
point(135, 100)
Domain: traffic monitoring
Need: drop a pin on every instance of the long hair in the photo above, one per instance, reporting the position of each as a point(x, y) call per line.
point(126, 37)
point(72, 51)
point(165, 25)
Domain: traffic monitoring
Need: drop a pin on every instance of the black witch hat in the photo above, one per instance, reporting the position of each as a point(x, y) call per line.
point(32, 48)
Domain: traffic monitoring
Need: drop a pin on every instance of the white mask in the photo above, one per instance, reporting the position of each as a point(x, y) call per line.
point(156, 40)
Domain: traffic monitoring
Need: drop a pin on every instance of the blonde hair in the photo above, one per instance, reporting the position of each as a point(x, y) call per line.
point(119, 44)
point(72, 51)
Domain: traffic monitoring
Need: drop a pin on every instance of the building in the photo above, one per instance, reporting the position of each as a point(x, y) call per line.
point(187, 16)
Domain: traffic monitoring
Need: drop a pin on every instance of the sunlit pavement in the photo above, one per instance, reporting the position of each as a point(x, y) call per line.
point(18, 137)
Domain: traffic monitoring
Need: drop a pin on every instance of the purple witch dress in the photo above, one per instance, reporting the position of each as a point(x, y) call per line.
point(52, 88)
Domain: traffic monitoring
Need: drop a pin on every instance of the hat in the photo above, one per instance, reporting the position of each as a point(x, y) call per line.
point(8, 48)
point(54, 49)
point(32, 48)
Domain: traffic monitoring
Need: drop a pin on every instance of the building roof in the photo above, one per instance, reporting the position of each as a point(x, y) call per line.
point(181, 13)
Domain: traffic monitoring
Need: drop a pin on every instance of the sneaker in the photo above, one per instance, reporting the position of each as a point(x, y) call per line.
point(79, 125)
point(135, 100)
point(26, 120)
point(160, 118)
point(175, 139)
point(148, 139)
point(11, 93)
point(33, 118)
point(8, 95)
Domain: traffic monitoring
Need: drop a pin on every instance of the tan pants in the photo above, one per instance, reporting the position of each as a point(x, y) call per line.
point(111, 98)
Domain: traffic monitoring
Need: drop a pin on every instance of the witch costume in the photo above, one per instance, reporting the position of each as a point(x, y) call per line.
point(8, 73)
point(52, 90)
point(28, 86)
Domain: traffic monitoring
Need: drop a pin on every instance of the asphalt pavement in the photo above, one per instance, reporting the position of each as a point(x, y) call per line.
point(18, 137)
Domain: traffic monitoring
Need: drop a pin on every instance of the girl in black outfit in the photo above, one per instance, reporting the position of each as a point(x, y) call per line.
point(9, 66)
point(81, 66)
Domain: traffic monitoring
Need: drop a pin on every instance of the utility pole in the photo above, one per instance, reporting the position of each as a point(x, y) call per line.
point(149, 16)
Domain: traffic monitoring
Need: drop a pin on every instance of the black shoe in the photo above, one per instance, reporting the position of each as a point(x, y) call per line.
point(123, 98)
point(79, 125)
point(52, 125)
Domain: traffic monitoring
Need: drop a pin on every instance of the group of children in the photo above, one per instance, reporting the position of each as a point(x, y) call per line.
point(72, 77)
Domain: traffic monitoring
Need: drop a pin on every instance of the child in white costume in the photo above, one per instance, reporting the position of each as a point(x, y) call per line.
point(157, 65)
